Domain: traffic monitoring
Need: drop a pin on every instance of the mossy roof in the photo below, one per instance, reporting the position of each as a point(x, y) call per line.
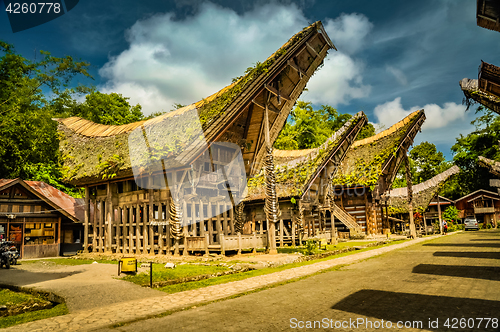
point(364, 163)
point(492, 165)
point(295, 168)
point(92, 152)
point(423, 193)
point(472, 93)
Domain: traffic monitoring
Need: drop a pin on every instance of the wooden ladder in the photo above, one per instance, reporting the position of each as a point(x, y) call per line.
point(346, 218)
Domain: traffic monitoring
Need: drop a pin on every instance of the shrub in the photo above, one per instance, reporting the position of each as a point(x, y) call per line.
point(310, 247)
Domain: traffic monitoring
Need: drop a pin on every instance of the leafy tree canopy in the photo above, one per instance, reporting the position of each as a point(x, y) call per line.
point(307, 128)
point(483, 141)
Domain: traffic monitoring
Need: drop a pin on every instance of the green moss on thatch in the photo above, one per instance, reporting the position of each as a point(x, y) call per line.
point(363, 164)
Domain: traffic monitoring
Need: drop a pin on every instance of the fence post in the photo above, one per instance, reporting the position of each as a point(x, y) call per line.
point(222, 250)
point(207, 242)
point(239, 243)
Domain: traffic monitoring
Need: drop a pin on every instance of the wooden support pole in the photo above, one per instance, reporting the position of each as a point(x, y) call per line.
point(145, 226)
point(439, 216)
point(110, 217)
point(239, 243)
point(413, 231)
point(222, 243)
point(151, 217)
point(119, 231)
point(86, 220)
point(293, 227)
point(130, 229)
point(281, 232)
point(137, 229)
point(207, 243)
point(94, 227)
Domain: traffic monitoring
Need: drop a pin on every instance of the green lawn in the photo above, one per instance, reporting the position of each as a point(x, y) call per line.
point(160, 273)
point(340, 245)
point(10, 298)
point(244, 275)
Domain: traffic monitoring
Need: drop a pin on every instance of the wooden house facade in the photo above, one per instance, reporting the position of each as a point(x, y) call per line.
point(484, 205)
point(303, 179)
point(368, 171)
point(41, 220)
point(174, 183)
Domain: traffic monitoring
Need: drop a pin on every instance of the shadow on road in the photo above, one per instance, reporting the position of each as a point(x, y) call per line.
point(471, 245)
point(468, 254)
point(395, 306)
point(462, 271)
point(24, 278)
point(484, 240)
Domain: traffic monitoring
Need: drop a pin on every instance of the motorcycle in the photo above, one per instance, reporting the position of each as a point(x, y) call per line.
point(8, 254)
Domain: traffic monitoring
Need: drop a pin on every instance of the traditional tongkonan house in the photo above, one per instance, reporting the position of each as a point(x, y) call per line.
point(488, 14)
point(172, 183)
point(41, 220)
point(486, 89)
point(301, 180)
point(423, 194)
point(368, 171)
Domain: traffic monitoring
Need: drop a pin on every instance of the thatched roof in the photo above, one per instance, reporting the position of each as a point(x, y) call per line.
point(93, 152)
point(423, 193)
point(296, 169)
point(488, 14)
point(369, 159)
point(492, 165)
point(486, 89)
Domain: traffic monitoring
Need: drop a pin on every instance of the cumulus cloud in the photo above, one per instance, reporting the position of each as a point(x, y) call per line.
point(182, 61)
point(341, 78)
point(348, 31)
point(436, 116)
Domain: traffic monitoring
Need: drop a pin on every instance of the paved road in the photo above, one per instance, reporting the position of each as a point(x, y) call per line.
point(109, 315)
point(455, 276)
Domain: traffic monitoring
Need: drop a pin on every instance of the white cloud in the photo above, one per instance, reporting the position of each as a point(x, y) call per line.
point(398, 75)
point(341, 78)
point(182, 61)
point(348, 31)
point(436, 116)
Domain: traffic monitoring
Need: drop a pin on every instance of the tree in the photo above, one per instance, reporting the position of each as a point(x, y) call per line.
point(108, 109)
point(307, 128)
point(428, 161)
point(425, 163)
point(481, 142)
point(27, 132)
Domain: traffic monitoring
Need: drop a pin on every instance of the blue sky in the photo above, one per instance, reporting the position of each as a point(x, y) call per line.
point(393, 56)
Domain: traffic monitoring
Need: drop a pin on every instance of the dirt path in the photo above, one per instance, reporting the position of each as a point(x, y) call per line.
point(83, 286)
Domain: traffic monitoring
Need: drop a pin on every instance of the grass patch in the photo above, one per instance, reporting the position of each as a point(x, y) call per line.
point(58, 310)
point(15, 301)
point(68, 261)
point(253, 273)
point(180, 271)
point(330, 247)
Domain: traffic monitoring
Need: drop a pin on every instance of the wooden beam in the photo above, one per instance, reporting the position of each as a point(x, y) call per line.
point(312, 49)
point(270, 106)
point(296, 68)
point(276, 92)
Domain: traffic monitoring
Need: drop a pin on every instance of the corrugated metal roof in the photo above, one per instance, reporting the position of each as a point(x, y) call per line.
point(74, 207)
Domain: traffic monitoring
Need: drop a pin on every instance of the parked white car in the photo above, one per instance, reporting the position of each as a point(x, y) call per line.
point(470, 223)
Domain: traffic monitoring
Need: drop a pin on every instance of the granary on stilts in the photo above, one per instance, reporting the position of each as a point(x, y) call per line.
point(368, 171)
point(486, 89)
point(423, 194)
point(302, 187)
point(175, 182)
